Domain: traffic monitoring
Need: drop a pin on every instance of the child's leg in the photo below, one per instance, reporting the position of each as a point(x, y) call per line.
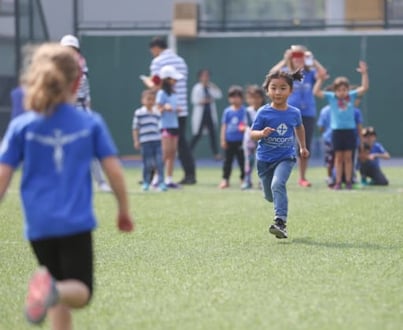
point(338, 165)
point(278, 186)
point(69, 260)
point(146, 153)
point(159, 163)
point(240, 157)
point(348, 165)
point(229, 158)
point(265, 172)
point(170, 147)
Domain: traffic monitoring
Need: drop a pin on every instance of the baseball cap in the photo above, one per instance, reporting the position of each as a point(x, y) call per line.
point(169, 71)
point(70, 40)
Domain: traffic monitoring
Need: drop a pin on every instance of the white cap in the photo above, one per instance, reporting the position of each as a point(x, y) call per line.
point(169, 71)
point(70, 41)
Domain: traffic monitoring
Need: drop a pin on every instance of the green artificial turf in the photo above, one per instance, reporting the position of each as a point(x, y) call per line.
point(202, 258)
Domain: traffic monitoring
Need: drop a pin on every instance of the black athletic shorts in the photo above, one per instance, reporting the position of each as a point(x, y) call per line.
point(68, 257)
point(343, 139)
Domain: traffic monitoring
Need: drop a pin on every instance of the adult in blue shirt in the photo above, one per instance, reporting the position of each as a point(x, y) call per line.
point(55, 143)
point(302, 97)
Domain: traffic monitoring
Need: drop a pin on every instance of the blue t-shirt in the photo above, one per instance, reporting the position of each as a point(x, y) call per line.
point(17, 102)
point(302, 93)
point(324, 122)
point(377, 148)
point(169, 119)
point(280, 144)
point(341, 111)
point(236, 122)
point(56, 153)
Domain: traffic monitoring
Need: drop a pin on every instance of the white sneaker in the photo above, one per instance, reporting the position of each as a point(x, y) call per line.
point(104, 187)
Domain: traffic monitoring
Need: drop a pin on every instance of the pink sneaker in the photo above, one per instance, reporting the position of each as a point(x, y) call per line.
point(304, 183)
point(42, 294)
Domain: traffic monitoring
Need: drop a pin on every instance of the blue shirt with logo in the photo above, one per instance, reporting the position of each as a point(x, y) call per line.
point(341, 111)
point(302, 93)
point(56, 152)
point(279, 145)
point(236, 122)
point(169, 119)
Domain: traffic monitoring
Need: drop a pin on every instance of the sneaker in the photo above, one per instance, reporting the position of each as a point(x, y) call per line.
point(279, 229)
point(349, 186)
point(304, 183)
point(246, 185)
point(104, 187)
point(146, 187)
point(172, 185)
point(42, 294)
point(364, 182)
point(189, 180)
point(162, 187)
point(337, 186)
point(224, 184)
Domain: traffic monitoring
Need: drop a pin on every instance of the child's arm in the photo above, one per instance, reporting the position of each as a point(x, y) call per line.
point(136, 138)
point(382, 155)
point(364, 78)
point(6, 173)
point(115, 176)
point(222, 136)
point(300, 133)
point(257, 135)
point(317, 88)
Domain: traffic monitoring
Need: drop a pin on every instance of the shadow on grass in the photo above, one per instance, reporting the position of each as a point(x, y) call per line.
point(342, 245)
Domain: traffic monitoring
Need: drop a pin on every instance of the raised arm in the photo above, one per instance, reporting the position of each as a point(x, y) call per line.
point(363, 69)
point(317, 88)
point(283, 62)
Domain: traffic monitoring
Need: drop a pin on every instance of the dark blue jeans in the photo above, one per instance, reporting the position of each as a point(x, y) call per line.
point(152, 159)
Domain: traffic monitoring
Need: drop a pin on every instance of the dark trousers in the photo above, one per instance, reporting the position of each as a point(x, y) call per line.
point(234, 149)
point(207, 122)
point(372, 170)
point(185, 154)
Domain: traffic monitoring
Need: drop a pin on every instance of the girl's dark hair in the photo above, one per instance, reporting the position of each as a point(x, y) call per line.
point(288, 77)
point(235, 90)
point(166, 86)
point(201, 71)
point(256, 90)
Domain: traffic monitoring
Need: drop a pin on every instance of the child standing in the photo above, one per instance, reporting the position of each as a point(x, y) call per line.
point(233, 125)
point(147, 137)
point(275, 128)
point(370, 154)
point(55, 144)
point(255, 97)
point(167, 104)
point(342, 121)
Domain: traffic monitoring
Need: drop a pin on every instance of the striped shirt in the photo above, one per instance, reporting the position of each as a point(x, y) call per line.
point(83, 91)
point(148, 124)
point(168, 57)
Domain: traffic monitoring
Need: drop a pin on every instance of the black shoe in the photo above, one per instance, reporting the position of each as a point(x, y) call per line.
point(188, 181)
point(279, 229)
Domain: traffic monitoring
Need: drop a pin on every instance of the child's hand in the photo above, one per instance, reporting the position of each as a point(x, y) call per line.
point(125, 222)
point(267, 131)
point(168, 107)
point(322, 75)
point(137, 145)
point(362, 67)
point(304, 152)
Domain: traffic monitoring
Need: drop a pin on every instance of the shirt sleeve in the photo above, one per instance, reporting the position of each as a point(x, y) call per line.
point(224, 117)
point(161, 97)
point(104, 145)
point(12, 146)
point(378, 148)
point(353, 95)
point(135, 121)
point(329, 95)
point(298, 118)
point(257, 123)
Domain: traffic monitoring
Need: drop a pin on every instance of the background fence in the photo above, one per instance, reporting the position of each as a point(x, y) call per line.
point(117, 61)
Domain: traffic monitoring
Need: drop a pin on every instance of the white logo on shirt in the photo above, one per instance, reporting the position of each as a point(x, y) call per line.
point(57, 141)
point(282, 129)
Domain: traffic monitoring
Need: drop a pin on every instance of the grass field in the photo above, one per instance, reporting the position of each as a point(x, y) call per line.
point(202, 258)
